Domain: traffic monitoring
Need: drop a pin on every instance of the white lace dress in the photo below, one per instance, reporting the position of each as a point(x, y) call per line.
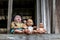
point(30, 28)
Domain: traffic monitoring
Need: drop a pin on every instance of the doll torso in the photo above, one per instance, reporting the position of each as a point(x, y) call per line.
point(18, 25)
point(42, 30)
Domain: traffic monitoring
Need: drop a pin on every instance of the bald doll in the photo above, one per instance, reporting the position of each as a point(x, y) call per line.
point(41, 29)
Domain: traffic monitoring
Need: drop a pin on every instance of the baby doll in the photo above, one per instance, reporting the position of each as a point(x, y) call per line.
point(29, 29)
point(17, 25)
point(41, 29)
point(24, 21)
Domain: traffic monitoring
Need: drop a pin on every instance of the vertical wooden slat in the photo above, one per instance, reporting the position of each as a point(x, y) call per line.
point(38, 12)
point(54, 17)
point(43, 12)
point(57, 9)
point(10, 3)
point(55, 23)
point(48, 20)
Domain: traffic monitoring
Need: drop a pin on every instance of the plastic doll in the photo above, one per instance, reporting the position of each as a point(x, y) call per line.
point(17, 25)
point(41, 29)
point(29, 29)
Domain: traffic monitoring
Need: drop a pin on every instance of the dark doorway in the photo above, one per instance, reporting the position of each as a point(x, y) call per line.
point(25, 8)
point(3, 15)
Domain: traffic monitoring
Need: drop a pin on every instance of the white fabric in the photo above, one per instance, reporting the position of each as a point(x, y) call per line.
point(30, 28)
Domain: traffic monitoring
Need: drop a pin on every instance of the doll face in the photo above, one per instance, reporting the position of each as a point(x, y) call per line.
point(29, 22)
point(41, 25)
point(17, 18)
point(25, 21)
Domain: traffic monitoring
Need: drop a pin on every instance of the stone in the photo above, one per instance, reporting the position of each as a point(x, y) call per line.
point(30, 37)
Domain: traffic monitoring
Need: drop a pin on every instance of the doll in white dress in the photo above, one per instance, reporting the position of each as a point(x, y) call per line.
point(29, 29)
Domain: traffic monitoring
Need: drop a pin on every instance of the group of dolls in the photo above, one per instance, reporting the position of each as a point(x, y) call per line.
point(18, 27)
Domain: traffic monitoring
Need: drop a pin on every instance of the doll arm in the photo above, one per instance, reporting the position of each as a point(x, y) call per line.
point(45, 31)
point(13, 25)
point(38, 29)
point(24, 26)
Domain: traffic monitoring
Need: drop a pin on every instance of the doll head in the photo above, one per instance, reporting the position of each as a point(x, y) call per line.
point(41, 25)
point(29, 22)
point(17, 18)
point(24, 21)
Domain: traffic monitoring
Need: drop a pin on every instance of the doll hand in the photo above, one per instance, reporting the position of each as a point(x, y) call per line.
point(18, 31)
point(15, 27)
point(35, 31)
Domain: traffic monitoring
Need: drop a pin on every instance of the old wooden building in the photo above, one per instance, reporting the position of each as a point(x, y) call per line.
point(45, 11)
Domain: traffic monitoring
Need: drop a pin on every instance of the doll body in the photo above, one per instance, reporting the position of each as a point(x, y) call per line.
point(41, 29)
point(29, 29)
point(17, 25)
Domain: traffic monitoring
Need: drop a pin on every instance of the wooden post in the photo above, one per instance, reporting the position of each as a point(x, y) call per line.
point(54, 17)
point(10, 3)
point(43, 12)
point(55, 20)
point(48, 17)
point(38, 12)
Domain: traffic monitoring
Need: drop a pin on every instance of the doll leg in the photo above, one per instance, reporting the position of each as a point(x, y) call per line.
point(26, 31)
point(30, 32)
point(41, 32)
point(35, 32)
point(18, 31)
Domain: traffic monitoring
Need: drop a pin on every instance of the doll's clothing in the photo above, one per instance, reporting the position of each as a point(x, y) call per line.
point(30, 28)
point(18, 25)
point(12, 29)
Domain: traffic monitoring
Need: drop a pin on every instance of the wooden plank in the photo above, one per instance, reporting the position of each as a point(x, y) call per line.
point(54, 17)
point(10, 3)
point(48, 17)
point(38, 12)
point(56, 26)
point(43, 12)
